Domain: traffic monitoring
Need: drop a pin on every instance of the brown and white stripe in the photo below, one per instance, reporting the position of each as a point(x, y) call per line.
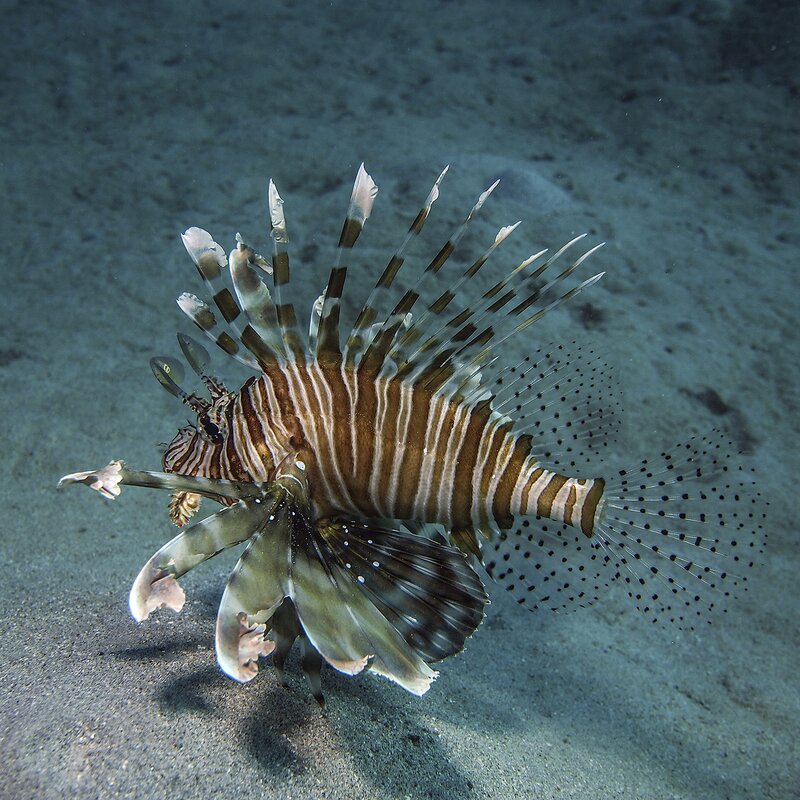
point(385, 448)
point(416, 419)
point(398, 424)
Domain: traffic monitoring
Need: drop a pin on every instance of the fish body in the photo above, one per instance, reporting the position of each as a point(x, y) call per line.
point(371, 477)
point(383, 447)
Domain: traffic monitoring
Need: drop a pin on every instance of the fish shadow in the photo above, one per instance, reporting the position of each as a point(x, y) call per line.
point(386, 740)
point(381, 736)
point(386, 737)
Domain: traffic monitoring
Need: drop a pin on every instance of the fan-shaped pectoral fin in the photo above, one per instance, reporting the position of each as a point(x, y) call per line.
point(157, 585)
point(255, 590)
point(427, 590)
point(343, 624)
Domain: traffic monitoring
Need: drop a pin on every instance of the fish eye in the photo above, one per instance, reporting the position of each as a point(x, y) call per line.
point(211, 430)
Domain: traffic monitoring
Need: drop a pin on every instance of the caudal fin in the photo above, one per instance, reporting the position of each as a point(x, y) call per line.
point(680, 530)
point(683, 529)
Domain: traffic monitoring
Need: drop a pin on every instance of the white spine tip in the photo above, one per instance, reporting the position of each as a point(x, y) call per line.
point(239, 645)
point(505, 232)
point(148, 595)
point(276, 215)
point(433, 196)
point(363, 197)
point(191, 304)
point(198, 242)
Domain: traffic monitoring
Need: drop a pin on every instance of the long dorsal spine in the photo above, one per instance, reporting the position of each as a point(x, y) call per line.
point(327, 344)
point(261, 334)
point(375, 355)
point(359, 336)
point(287, 318)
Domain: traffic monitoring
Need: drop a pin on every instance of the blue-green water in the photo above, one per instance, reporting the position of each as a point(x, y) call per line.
point(667, 130)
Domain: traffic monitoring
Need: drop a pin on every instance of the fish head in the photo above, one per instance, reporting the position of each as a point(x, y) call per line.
point(197, 447)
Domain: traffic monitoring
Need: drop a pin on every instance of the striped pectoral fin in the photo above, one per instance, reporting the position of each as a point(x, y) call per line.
point(157, 586)
point(324, 614)
point(255, 591)
point(427, 590)
point(344, 625)
point(109, 480)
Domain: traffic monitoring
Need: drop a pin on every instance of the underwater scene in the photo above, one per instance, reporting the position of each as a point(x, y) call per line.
point(479, 398)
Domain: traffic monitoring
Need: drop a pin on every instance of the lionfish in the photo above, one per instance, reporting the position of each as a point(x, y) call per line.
point(372, 481)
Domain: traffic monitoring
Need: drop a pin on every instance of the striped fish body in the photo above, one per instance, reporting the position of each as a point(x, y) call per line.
point(335, 459)
point(383, 447)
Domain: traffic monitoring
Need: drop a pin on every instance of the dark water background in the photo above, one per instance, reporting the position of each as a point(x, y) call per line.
point(668, 129)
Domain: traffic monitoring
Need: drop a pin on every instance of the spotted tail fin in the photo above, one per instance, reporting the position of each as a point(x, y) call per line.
point(679, 530)
point(682, 530)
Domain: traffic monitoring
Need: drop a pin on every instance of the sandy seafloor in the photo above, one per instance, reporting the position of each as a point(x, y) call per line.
point(668, 129)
